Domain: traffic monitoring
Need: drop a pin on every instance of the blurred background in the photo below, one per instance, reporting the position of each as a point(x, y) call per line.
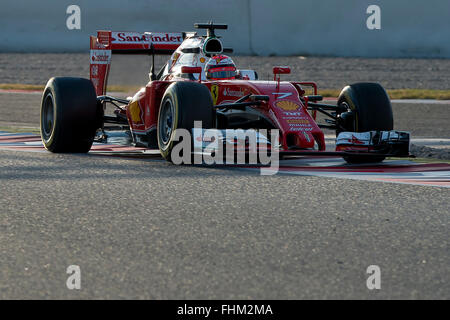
point(326, 41)
point(409, 28)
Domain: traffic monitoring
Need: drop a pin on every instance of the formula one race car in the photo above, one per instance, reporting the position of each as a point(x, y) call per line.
point(200, 83)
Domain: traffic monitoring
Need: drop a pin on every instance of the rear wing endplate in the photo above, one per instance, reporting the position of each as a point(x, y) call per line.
point(106, 43)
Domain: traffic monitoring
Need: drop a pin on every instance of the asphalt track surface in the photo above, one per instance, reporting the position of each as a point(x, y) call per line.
point(143, 228)
point(148, 229)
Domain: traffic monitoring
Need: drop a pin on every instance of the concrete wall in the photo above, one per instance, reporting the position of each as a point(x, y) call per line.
point(409, 28)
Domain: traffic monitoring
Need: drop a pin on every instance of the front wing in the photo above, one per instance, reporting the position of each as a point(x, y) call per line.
point(380, 143)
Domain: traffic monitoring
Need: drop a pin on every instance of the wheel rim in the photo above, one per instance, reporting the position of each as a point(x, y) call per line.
point(47, 120)
point(166, 122)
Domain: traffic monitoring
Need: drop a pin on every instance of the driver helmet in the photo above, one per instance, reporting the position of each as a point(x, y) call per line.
point(220, 67)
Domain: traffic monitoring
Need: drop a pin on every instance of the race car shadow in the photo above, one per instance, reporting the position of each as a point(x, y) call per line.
point(101, 158)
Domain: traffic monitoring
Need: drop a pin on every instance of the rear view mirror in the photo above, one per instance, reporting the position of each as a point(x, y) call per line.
point(281, 70)
point(186, 69)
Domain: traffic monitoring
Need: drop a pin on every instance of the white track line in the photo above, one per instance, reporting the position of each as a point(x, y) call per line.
point(410, 101)
point(421, 101)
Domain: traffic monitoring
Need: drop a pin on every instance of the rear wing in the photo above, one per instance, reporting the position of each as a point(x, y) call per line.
point(107, 43)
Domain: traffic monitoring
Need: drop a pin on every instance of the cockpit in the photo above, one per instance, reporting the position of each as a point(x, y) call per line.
point(196, 51)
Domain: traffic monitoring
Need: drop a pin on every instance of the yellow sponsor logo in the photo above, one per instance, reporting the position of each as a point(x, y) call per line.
point(135, 112)
point(215, 93)
point(287, 105)
point(300, 121)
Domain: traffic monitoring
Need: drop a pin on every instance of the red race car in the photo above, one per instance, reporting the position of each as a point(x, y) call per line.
point(200, 83)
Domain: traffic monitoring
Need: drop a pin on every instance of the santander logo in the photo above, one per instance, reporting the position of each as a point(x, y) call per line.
point(156, 37)
point(100, 56)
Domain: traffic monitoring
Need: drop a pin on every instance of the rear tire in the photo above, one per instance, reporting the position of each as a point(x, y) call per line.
point(69, 115)
point(183, 103)
point(370, 109)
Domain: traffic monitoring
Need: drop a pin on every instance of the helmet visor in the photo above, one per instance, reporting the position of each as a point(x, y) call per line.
point(222, 73)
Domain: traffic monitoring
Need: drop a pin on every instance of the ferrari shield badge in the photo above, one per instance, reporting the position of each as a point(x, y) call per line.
point(215, 93)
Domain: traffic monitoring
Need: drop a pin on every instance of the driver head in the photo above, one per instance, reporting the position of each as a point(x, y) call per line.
point(220, 67)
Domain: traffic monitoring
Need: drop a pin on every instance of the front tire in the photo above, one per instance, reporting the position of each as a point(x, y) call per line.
point(69, 115)
point(183, 103)
point(368, 109)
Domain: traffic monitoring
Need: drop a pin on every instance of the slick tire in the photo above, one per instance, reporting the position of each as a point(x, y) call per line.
point(69, 115)
point(183, 103)
point(370, 109)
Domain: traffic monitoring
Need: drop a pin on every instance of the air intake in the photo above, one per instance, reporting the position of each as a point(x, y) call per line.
point(212, 46)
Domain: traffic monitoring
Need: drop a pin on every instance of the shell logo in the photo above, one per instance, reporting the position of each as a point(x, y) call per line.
point(287, 105)
point(298, 121)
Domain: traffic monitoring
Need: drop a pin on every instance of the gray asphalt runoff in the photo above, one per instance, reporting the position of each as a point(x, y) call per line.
point(146, 229)
point(328, 72)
